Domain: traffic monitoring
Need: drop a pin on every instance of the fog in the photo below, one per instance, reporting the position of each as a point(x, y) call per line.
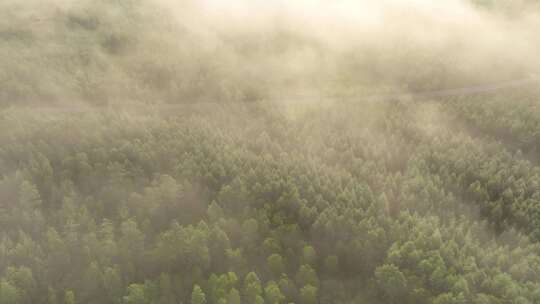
point(165, 51)
point(250, 151)
point(403, 44)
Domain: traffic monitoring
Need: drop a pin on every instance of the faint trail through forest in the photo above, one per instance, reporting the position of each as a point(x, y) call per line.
point(476, 89)
point(463, 91)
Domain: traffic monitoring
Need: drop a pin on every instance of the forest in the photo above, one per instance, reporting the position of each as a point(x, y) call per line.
point(163, 152)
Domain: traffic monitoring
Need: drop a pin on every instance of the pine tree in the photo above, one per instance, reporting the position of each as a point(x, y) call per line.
point(197, 295)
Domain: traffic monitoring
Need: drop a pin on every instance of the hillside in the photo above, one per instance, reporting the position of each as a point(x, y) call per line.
point(67, 52)
point(164, 152)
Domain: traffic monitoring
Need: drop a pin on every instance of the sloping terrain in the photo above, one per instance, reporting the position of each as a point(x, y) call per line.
point(164, 152)
point(383, 203)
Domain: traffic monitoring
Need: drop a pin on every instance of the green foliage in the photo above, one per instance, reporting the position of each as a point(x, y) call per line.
point(391, 282)
point(309, 256)
point(276, 264)
point(109, 207)
point(136, 294)
point(196, 186)
point(233, 297)
point(69, 298)
point(272, 293)
point(51, 296)
point(252, 287)
point(9, 294)
point(308, 294)
point(198, 296)
point(307, 275)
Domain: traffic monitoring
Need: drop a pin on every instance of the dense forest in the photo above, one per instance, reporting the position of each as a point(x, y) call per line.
point(149, 156)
